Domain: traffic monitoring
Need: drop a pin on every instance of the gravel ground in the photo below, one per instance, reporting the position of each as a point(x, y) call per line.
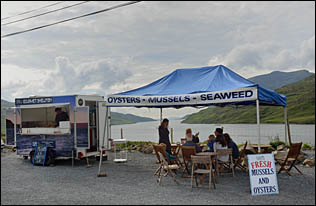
point(133, 183)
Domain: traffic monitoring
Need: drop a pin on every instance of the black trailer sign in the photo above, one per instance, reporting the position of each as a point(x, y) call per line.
point(40, 154)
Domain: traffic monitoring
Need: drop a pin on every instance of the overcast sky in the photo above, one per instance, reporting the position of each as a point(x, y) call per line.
point(132, 46)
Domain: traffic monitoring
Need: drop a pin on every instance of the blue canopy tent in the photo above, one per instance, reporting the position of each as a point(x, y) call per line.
point(194, 87)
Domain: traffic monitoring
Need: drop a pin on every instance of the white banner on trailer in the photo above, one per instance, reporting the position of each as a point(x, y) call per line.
point(226, 96)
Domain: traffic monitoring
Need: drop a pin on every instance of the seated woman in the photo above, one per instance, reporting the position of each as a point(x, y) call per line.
point(233, 145)
point(190, 142)
point(220, 143)
point(170, 157)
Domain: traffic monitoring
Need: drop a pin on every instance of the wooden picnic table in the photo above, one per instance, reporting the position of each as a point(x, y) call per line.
point(264, 147)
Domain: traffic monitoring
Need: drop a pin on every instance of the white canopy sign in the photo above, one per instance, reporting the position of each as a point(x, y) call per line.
point(226, 96)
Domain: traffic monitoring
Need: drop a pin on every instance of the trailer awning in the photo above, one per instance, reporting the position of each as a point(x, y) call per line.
point(42, 105)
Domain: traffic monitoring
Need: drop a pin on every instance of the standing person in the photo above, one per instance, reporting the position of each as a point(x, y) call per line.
point(233, 145)
point(60, 116)
point(164, 135)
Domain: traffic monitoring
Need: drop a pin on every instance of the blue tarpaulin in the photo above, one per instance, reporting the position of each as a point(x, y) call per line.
point(202, 80)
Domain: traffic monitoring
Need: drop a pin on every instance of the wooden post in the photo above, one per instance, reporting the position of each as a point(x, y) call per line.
point(288, 131)
point(171, 135)
point(286, 126)
point(122, 133)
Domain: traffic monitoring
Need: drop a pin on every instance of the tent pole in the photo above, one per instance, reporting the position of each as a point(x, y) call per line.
point(110, 127)
point(258, 124)
point(160, 114)
point(285, 124)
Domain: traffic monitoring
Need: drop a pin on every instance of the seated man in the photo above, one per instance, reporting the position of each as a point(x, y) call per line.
point(190, 142)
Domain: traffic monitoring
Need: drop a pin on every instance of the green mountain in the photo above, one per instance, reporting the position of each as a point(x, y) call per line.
point(277, 79)
point(300, 100)
point(119, 118)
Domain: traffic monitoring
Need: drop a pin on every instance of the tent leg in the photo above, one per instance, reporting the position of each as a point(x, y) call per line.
point(109, 123)
point(258, 124)
point(285, 124)
point(161, 114)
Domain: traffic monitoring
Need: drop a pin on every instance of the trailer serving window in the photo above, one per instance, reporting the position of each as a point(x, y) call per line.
point(40, 119)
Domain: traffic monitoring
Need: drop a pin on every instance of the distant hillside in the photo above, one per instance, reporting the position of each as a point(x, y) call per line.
point(5, 103)
point(300, 100)
point(119, 118)
point(278, 79)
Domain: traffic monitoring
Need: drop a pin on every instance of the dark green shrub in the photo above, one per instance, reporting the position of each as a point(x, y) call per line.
point(275, 144)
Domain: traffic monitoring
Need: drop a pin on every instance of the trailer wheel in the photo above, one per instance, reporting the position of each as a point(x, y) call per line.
point(50, 156)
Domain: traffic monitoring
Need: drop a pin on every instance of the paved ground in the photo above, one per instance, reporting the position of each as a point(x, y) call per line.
point(134, 183)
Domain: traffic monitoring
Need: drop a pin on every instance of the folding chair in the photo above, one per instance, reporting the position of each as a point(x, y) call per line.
point(187, 151)
point(176, 154)
point(294, 151)
point(166, 166)
point(229, 164)
point(156, 149)
point(238, 162)
point(198, 160)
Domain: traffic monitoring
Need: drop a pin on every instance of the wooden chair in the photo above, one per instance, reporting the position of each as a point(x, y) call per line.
point(166, 166)
point(176, 154)
point(294, 151)
point(229, 164)
point(187, 151)
point(238, 162)
point(199, 160)
point(156, 149)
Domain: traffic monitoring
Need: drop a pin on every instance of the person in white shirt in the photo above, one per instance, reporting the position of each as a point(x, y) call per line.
point(220, 143)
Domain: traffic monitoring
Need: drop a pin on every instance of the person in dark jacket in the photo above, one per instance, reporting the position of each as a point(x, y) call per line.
point(164, 135)
point(195, 138)
point(233, 145)
point(60, 116)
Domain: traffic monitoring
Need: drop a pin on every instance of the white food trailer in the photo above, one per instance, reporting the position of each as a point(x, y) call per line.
point(32, 120)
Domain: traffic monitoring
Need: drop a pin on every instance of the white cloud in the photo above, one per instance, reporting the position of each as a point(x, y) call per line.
point(66, 78)
point(129, 47)
point(266, 57)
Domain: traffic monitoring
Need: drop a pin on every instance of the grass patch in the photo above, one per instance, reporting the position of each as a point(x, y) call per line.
point(307, 146)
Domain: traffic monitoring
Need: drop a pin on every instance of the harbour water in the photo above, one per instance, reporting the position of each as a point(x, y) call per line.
point(148, 131)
